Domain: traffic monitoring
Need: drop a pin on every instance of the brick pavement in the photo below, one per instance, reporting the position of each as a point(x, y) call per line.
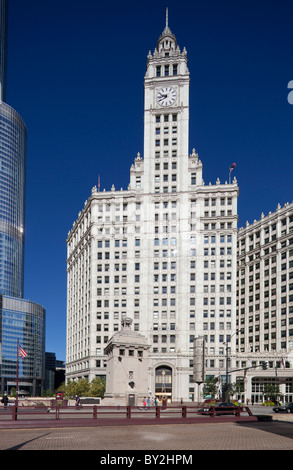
point(275, 435)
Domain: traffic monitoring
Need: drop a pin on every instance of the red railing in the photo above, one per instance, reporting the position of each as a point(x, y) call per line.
point(115, 412)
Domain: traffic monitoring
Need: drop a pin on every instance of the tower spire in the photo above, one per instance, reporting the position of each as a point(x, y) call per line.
point(167, 17)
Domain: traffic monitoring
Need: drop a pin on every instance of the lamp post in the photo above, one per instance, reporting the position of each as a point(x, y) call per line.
point(227, 367)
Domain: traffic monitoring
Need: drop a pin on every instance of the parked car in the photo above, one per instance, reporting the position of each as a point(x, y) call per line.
point(286, 408)
point(220, 408)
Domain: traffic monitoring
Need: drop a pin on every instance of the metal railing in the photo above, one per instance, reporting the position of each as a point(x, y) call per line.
point(116, 412)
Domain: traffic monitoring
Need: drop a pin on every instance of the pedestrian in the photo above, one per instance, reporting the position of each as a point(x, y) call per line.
point(144, 402)
point(77, 400)
point(5, 399)
point(148, 402)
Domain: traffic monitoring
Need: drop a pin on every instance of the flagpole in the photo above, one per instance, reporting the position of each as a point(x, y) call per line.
point(17, 365)
point(230, 171)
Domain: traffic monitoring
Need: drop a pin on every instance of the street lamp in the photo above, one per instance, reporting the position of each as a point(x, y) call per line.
point(227, 366)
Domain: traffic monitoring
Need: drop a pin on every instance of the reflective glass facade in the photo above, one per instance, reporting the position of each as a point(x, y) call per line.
point(3, 48)
point(24, 321)
point(19, 319)
point(12, 201)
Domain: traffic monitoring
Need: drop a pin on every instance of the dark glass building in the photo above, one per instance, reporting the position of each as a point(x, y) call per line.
point(20, 319)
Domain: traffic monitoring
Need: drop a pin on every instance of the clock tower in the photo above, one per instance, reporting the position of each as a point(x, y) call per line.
point(162, 252)
point(166, 113)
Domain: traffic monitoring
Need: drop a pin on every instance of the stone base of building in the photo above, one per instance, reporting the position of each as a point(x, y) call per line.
point(123, 399)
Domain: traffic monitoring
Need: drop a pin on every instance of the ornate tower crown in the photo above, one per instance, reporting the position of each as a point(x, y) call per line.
point(167, 41)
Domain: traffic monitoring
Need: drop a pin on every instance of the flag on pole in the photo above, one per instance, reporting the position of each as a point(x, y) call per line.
point(232, 167)
point(282, 362)
point(21, 352)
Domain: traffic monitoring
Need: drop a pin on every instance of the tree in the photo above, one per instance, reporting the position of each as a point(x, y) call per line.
point(210, 386)
point(271, 391)
point(83, 388)
point(97, 387)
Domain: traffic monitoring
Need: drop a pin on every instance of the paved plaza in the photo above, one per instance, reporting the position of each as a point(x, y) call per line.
point(274, 435)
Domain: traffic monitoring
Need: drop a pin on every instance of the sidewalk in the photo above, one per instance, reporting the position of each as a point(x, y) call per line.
point(145, 433)
point(180, 439)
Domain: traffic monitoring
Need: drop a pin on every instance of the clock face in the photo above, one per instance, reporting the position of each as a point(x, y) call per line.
point(166, 96)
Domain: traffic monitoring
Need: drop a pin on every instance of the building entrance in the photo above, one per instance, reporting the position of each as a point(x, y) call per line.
point(163, 387)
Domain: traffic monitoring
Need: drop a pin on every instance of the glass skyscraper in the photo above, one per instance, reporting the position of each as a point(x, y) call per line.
point(19, 319)
point(3, 48)
point(12, 200)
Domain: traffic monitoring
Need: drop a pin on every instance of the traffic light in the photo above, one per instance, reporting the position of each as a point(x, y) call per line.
point(264, 365)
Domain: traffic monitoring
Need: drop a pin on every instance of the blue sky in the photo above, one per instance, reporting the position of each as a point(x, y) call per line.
point(75, 75)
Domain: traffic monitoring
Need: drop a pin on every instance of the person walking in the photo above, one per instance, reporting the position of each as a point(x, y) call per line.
point(5, 399)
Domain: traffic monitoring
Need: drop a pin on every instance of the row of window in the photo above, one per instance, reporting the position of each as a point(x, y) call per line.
point(214, 300)
point(172, 266)
point(166, 130)
point(172, 288)
point(166, 142)
point(222, 251)
point(227, 213)
point(267, 291)
point(158, 167)
point(166, 153)
point(267, 229)
point(223, 201)
point(222, 238)
point(166, 70)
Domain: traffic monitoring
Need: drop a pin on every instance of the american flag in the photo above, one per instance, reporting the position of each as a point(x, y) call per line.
point(21, 352)
point(232, 167)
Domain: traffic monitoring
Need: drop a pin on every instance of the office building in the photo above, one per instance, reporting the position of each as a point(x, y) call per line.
point(162, 252)
point(265, 302)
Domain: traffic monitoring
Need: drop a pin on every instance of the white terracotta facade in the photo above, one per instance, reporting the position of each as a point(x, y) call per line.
point(163, 252)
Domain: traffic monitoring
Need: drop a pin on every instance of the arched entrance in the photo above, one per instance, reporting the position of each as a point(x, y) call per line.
point(163, 383)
